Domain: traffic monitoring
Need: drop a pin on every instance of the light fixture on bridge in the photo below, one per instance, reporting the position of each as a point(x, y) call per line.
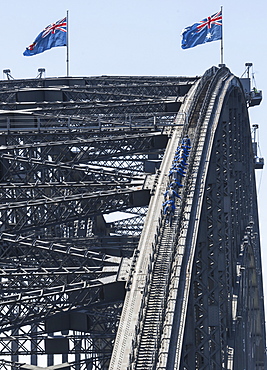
point(41, 71)
point(248, 65)
point(7, 73)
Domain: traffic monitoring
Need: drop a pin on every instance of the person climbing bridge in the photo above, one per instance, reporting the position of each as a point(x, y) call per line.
point(171, 194)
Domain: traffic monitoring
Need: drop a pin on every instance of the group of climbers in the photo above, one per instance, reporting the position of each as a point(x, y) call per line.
point(176, 174)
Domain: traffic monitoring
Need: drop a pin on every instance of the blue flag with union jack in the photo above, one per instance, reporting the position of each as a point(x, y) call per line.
point(53, 35)
point(207, 30)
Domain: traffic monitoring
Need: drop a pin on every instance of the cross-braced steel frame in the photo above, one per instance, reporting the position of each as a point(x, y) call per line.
point(83, 166)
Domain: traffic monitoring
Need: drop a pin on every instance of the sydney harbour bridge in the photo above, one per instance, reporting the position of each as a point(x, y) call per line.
point(93, 274)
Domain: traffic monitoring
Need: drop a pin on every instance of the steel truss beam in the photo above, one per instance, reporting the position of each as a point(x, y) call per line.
point(95, 124)
point(140, 86)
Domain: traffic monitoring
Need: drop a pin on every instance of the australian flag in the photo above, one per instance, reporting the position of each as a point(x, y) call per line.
point(53, 35)
point(207, 30)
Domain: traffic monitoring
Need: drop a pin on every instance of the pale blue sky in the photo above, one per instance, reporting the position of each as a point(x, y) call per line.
point(142, 37)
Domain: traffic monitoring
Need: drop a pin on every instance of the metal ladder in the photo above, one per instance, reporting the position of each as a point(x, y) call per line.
point(151, 326)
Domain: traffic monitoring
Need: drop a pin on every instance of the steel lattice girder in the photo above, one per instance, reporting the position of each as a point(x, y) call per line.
point(112, 108)
point(86, 89)
point(96, 124)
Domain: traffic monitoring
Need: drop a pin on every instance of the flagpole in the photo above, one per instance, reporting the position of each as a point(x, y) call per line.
point(222, 39)
point(67, 60)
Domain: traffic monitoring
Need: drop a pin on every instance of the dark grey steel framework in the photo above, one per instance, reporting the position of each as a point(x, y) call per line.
point(81, 290)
